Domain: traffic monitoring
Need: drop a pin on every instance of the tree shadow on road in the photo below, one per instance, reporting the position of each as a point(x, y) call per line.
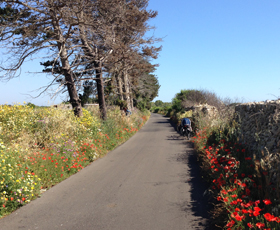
point(160, 122)
point(201, 199)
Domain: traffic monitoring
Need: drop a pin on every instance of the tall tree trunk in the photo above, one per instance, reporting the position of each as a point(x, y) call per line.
point(126, 85)
point(67, 72)
point(131, 100)
point(119, 86)
point(100, 89)
point(98, 71)
point(71, 87)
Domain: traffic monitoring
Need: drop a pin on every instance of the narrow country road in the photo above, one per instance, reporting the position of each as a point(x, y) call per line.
point(151, 182)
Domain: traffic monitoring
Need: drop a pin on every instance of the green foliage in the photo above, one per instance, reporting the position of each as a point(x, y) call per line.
point(193, 96)
point(88, 91)
point(157, 109)
point(177, 105)
point(183, 94)
point(159, 103)
point(143, 105)
point(161, 107)
point(146, 90)
point(40, 147)
point(121, 103)
point(31, 105)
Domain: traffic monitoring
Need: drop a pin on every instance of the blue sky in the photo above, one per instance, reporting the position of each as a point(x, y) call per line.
point(230, 47)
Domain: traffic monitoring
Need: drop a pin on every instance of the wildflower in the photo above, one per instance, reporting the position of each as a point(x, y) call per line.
point(256, 211)
point(269, 217)
point(260, 225)
point(224, 192)
point(244, 211)
point(233, 203)
point(250, 225)
point(257, 202)
point(239, 218)
point(267, 202)
point(230, 224)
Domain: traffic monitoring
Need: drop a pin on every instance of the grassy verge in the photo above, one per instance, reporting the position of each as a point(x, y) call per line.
point(246, 188)
point(39, 147)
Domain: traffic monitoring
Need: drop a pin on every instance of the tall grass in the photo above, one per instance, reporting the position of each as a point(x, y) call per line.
point(39, 147)
point(246, 188)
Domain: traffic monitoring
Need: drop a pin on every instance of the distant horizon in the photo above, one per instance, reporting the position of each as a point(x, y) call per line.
point(49, 105)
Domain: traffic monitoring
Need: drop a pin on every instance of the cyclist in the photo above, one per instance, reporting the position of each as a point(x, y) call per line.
point(186, 127)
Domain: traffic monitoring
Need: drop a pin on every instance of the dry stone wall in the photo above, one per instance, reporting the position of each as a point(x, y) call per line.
point(260, 126)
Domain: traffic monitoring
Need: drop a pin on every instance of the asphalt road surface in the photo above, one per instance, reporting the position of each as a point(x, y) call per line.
point(151, 182)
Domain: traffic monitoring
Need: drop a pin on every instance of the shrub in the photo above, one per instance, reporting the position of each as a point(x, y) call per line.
point(40, 147)
point(244, 188)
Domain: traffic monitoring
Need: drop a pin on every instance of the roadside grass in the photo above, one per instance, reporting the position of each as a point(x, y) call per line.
point(40, 147)
point(246, 189)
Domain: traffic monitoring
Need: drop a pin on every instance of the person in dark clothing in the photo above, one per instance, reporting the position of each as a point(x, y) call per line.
point(185, 127)
point(186, 121)
point(127, 112)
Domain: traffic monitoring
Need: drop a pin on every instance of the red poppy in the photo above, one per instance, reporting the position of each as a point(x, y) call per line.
point(269, 217)
point(250, 225)
point(260, 225)
point(257, 209)
point(267, 202)
point(230, 224)
point(256, 213)
point(244, 211)
point(224, 192)
point(233, 203)
point(239, 218)
point(257, 202)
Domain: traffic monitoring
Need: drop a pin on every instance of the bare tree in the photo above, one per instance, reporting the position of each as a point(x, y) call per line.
point(131, 45)
point(81, 38)
point(112, 38)
point(41, 27)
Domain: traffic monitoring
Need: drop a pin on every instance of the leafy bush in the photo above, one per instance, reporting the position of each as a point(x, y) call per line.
point(40, 147)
